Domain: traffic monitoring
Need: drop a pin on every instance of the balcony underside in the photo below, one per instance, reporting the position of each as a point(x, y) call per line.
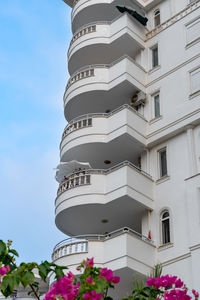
point(80, 215)
point(97, 98)
point(102, 43)
point(85, 11)
point(97, 152)
point(98, 51)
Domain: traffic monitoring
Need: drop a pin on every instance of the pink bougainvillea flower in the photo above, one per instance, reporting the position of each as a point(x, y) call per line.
point(92, 296)
point(90, 280)
point(165, 281)
point(176, 295)
point(8, 268)
point(89, 262)
point(64, 287)
point(195, 293)
point(3, 271)
point(179, 283)
point(116, 279)
point(108, 274)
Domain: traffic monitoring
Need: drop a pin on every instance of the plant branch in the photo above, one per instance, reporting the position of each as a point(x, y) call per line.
point(34, 291)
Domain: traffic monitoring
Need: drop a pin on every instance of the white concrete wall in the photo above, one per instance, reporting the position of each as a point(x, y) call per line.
point(179, 192)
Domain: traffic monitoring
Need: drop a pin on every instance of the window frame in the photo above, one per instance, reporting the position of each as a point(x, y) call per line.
point(153, 65)
point(163, 239)
point(155, 15)
point(164, 149)
point(154, 115)
point(192, 72)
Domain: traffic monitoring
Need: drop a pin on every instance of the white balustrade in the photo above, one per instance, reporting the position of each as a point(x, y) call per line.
point(70, 248)
point(84, 177)
point(80, 75)
point(75, 125)
point(83, 31)
point(73, 181)
point(79, 244)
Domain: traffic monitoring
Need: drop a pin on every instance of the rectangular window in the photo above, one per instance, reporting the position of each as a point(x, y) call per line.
point(195, 81)
point(163, 162)
point(154, 56)
point(193, 31)
point(156, 100)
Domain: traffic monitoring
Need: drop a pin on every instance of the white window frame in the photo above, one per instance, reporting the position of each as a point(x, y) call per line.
point(191, 23)
point(154, 17)
point(153, 105)
point(159, 162)
point(192, 72)
point(161, 227)
point(152, 60)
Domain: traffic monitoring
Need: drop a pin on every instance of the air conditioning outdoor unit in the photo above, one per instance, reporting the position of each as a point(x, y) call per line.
point(138, 99)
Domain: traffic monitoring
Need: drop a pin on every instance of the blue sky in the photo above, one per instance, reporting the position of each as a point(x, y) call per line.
point(34, 37)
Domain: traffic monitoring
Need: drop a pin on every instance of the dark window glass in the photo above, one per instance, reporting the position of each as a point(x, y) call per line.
point(155, 56)
point(163, 163)
point(157, 18)
point(165, 228)
point(157, 105)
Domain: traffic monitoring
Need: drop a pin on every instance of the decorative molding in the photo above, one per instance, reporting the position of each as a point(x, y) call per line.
point(176, 259)
point(180, 15)
point(195, 247)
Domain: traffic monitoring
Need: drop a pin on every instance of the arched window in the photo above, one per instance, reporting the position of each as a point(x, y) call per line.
point(165, 227)
point(157, 18)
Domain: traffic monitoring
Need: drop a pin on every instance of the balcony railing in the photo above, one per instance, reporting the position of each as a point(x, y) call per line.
point(75, 125)
point(89, 71)
point(79, 244)
point(80, 75)
point(74, 180)
point(83, 31)
point(87, 120)
point(84, 177)
point(188, 9)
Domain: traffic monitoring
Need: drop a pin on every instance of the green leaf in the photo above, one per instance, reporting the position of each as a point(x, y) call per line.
point(43, 271)
point(13, 251)
point(7, 285)
point(59, 273)
point(27, 278)
point(2, 248)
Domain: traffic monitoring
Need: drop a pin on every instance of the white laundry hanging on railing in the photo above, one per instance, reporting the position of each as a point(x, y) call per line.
point(64, 169)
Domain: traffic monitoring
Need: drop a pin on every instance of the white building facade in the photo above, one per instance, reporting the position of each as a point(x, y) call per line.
point(132, 105)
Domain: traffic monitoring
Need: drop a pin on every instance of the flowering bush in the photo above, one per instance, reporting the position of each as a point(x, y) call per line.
point(163, 288)
point(93, 284)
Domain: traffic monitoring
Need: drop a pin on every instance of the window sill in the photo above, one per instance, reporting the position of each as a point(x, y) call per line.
point(165, 246)
point(194, 42)
point(158, 118)
point(193, 95)
point(154, 69)
point(162, 179)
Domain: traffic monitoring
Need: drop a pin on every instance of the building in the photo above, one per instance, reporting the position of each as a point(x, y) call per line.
point(132, 105)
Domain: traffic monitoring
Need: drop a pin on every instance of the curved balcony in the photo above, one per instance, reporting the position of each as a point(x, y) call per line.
point(105, 132)
point(88, 11)
point(133, 252)
point(105, 42)
point(98, 196)
point(99, 88)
